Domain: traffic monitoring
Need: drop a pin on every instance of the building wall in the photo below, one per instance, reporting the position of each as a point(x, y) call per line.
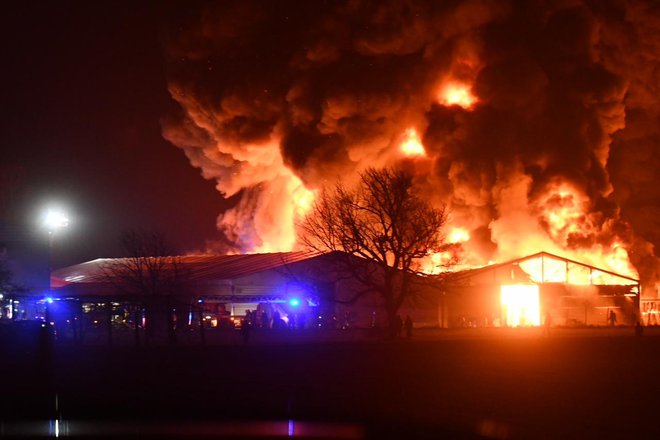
point(572, 305)
point(563, 304)
point(470, 306)
point(302, 280)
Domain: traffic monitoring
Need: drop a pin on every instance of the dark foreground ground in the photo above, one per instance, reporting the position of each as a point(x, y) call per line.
point(584, 384)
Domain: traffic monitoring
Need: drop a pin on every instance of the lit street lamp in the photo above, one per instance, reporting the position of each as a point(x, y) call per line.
point(53, 221)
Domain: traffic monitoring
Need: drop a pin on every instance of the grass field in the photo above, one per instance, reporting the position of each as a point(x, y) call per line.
point(469, 384)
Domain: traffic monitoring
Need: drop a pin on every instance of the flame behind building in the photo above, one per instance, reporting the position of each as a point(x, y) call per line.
point(535, 123)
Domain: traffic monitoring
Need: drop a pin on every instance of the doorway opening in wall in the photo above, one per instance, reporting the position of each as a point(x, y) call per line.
point(520, 305)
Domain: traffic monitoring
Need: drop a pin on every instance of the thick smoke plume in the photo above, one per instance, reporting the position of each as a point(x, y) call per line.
point(539, 120)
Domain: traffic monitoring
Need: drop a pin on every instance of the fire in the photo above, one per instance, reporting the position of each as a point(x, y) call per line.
point(528, 174)
point(411, 145)
point(564, 208)
point(438, 262)
point(617, 259)
point(435, 263)
point(295, 202)
point(520, 305)
point(303, 199)
point(565, 214)
point(458, 235)
point(455, 93)
point(558, 220)
point(550, 270)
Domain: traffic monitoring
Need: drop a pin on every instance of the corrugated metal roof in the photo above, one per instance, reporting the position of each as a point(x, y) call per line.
point(198, 268)
point(202, 268)
point(234, 266)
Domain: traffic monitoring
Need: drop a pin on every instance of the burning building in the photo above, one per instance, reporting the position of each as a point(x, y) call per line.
point(533, 123)
point(538, 289)
point(299, 289)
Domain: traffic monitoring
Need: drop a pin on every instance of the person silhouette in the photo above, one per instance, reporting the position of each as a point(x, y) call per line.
point(547, 323)
point(246, 328)
point(611, 318)
point(408, 326)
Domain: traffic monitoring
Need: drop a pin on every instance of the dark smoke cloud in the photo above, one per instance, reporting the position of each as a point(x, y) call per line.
point(631, 48)
point(567, 90)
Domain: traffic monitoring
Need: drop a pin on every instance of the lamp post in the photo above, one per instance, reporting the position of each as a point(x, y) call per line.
point(54, 220)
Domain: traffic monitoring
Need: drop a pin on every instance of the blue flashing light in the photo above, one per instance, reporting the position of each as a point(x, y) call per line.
point(49, 300)
point(294, 302)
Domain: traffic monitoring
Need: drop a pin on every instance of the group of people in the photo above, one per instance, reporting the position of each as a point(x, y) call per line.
point(253, 319)
point(262, 320)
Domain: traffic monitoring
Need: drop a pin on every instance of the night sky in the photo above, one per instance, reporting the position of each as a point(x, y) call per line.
point(83, 93)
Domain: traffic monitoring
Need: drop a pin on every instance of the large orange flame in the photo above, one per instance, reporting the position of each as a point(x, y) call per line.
point(411, 145)
point(294, 205)
point(521, 305)
point(497, 121)
point(458, 235)
point(456, 93)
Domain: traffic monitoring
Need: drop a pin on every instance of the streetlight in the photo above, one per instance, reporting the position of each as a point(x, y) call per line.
point(54, 220)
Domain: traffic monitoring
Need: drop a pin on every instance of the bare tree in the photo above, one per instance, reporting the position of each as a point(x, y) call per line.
point(150, 275)
point(383, 229)
point(7, 285)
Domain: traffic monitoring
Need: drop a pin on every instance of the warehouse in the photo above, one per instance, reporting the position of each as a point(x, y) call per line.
point(301, 290)
point(541, 287)
point(288, 289)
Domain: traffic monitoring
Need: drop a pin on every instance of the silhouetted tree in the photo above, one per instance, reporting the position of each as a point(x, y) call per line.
point(7, 285)
point(383, 229)
point(150, 273)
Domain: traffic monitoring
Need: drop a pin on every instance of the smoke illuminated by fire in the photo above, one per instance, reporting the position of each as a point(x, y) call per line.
point(536, 122)
point(563, 209)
